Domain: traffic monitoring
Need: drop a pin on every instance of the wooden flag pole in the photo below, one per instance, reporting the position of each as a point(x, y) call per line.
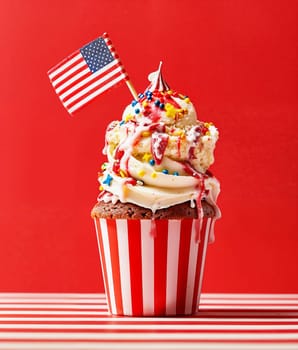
point(116, 56)
point(132, 89)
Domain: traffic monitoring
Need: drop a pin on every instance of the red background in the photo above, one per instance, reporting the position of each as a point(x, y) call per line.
point(236, 59)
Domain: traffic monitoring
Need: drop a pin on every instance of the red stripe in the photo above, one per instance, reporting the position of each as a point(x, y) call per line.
point(60, 64)
point(102, 259)
point(184, 247)
point(199, 263)
point(96, 88)
point(112, 232)
point(89, 82)
point(135, 261)
point(160, 266)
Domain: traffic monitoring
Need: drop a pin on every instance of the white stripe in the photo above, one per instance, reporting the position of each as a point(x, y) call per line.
point(54, 300)
point(68, 72)
point(147, 267)
point(124, 319)
point(91, 86)
point(106, 248)
point(65, 65)
point(172, 265)
point(203, 258)
point(86, 80)
point(145, 346)
point(157, 327)
point(247, 307)
point(70, 81)
point(191, 273)
point(50, 312)
point(96, 93)
point(53, 306)
point(123, 251)
point(148, 336)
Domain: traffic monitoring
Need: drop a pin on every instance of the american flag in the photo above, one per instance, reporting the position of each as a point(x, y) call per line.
point(87, 73)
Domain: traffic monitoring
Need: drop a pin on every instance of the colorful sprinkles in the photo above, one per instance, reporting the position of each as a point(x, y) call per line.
point(108, 180)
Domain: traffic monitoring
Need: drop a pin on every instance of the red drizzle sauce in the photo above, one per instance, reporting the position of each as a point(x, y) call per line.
point(179, 147)
point(159, 142)
point(201, 191)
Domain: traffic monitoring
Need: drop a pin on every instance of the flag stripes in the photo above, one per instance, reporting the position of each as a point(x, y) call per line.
point(87, 73)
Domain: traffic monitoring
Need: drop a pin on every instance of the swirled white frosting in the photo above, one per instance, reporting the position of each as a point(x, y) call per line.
point(159, 153)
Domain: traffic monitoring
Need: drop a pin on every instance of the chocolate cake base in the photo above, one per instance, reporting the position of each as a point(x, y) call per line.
point(132, 211)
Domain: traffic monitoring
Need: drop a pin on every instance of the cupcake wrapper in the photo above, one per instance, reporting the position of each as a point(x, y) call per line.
point(148, 274)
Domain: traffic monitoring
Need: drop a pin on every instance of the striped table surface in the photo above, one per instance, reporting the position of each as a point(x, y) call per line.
point(81, 321)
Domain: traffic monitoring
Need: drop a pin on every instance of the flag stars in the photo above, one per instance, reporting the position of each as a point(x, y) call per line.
point(97, 54)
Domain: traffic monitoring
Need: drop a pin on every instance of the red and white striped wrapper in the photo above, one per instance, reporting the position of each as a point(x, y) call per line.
point(152, 275)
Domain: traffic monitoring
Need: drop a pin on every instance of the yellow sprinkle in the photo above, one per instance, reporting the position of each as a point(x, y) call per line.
point(146, 133)
point(208, 133)
point(141, 173)
point(178, 133)
point(101, 188)
point(153, 175)
point(207, 125)
point(170, 110)
point(146, 157)
point(187, 100)
point(145, 103)
point(128, 117)
point(180, 112)
point(122, 173)
point(170, 92)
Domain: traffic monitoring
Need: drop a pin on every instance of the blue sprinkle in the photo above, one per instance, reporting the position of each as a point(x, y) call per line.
point(108, 180)
point(140, 95)
point(134, 102)
point(148, 93)
point(137, 110)
point(176, 173)
point(122, 122)
point(165, 171)
point(152, 162)
point(149, 98)
point(162, 106)
point(157, 103)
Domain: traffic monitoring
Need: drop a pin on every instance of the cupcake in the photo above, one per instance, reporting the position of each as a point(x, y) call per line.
point(156, 209)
